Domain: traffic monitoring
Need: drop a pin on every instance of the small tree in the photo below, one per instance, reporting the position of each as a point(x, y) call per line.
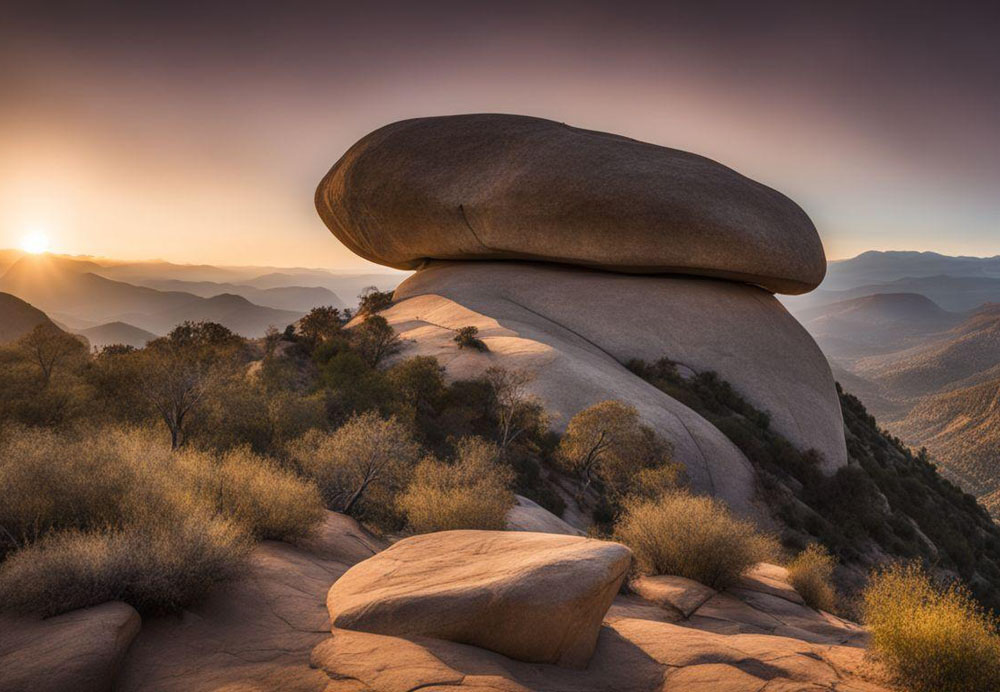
point(48, 346)
point(375, 340)
point(372, 301)
point(175, 373)
point(467, 338)
point(515, 411)
point(471, 493)
point(367, 458)
point(608, 443)
point(322, 323)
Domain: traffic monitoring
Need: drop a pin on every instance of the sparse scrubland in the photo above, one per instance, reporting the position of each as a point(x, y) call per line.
point(146, 475)
point(693, 537)
point(931, 638)
point(887, 502)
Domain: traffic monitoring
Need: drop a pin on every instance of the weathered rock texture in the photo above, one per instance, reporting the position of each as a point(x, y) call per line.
point(530, 596)
point(512, 187)
point(758, 637)
point(80, 651)
point(256, 633)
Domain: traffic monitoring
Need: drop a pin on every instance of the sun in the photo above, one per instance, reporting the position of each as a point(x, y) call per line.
point(35, 243)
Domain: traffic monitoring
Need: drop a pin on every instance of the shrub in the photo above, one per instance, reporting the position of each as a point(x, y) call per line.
point(372, 301)
point(119, 515)
point(266, 501)
point(929, 637)
point(607, 443)
point(467, 337)
point(375, 340)
point(693, 537)
point(158, 566)
point(811, 573)
point(471, 493)
point(361, 467)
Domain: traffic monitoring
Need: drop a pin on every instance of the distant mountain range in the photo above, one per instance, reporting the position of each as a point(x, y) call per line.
point(917, 339)
point(103, 299)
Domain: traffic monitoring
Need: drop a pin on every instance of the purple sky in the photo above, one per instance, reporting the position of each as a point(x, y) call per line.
point(196, 131)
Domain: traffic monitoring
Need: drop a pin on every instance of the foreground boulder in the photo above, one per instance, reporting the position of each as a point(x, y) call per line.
point(80, 651)
point(488, 186)
point(758, 637)
point(529, 596)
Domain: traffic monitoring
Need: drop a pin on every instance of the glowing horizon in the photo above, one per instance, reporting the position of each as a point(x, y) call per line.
point(206, 147)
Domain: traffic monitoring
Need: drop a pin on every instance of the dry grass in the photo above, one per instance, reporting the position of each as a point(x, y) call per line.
point(155, 568)
point(811, 573)
point(692, 536)
point(471, 493)
point(931, 638)
point(117, 514)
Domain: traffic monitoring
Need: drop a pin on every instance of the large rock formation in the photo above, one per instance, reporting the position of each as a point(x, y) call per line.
point(494, 186)
point(676, 256)
point(534, 597)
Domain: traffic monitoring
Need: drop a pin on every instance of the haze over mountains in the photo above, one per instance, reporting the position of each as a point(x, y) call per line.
point(118, 302)
point(921, 348)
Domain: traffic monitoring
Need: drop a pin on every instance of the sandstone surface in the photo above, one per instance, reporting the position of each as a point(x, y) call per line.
point(732, 645)
point(489, 186)
point(527, 515)
point(255, 633)
point(81, 650)
point(533, 597)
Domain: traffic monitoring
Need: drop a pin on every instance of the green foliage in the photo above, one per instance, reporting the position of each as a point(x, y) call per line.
point(321, 324)
point(372, 301)
point(931, 638)
point(467, 337)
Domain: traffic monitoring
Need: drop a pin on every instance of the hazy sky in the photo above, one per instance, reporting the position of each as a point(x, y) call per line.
point(197, 131)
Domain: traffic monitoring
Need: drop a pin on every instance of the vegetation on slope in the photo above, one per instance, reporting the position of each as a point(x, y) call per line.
point(886, 503)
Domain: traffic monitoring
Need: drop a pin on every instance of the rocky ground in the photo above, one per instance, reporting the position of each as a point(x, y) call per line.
point(272, 629)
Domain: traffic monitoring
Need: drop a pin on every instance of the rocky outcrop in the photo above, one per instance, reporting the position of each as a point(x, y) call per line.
point(574, 252)
point(255, 633)
point(80, 651)
point(530, 596)
point(756, 637)
point(491, 186)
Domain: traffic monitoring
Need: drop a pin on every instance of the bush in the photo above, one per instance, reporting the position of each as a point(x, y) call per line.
point(117, 514)
point(811, 573)
point(929, 637)
point(471, 493)
point(693, 537)
point(361, 467)
point(266, 501)
point(467, 337)
point(158, 566)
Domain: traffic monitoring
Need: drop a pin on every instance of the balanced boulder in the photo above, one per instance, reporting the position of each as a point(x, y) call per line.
point(489, 186)
point(530, 596)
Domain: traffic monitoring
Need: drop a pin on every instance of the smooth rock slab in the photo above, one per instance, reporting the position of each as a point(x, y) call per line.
point(488, 186)
point(530, 596)
point(576, 328)
point(81, 650)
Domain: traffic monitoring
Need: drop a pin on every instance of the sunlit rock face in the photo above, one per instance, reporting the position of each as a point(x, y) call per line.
point(493, 186)
point(574, 252)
